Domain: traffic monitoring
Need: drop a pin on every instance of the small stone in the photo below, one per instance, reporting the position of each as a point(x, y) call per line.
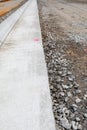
point(69, 73)
point(73, 76)
point(78, 100)
point(85, 96)
point(85, 115)
point(77, 119)
point(65, 86)
point(74, 125)
point(78, 91)
point(58, 79)
point(79, 127)
point(62, 93)
point(60, 87)
point(65, 111)
point(72, 115)
point(70, 78)
point(66, 99)
point(76, 85)
point(61, 106)
point(64, 74)
point(74, 107)
point(70, 85)
point(65, 123)
point(69, 94)
point(51, 87)
point(60, 72)
point(50, 71)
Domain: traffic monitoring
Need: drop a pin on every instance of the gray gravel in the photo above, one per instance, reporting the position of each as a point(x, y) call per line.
point(65, 91)
point(67, 71)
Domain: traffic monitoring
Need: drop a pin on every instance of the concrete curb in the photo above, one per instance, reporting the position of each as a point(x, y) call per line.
point(7, 24)
point(25, 102)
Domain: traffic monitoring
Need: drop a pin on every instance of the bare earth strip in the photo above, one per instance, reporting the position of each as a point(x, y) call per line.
point(8, 7)
point(64, 31)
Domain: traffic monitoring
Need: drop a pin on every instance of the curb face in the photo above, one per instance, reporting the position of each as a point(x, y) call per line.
point(8, 24)
point(25, 101)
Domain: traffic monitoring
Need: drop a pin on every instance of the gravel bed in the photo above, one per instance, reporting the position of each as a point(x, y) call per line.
point(67, 77)
point(69, 101)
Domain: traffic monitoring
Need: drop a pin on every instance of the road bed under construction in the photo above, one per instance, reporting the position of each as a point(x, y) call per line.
point(64, 31)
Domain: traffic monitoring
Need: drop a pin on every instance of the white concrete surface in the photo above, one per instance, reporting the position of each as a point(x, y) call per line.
point(8, 24)
point(25, 102)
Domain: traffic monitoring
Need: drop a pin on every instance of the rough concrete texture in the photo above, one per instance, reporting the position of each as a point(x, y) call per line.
point(25, 102)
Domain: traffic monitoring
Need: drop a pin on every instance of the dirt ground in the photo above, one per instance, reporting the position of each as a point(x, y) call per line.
point(64, 32)
point(7, 7)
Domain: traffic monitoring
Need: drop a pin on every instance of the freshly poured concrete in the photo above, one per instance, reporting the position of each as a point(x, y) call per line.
point(25, 102)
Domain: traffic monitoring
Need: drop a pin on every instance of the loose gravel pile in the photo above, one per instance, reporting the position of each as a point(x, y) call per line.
point(67, 77)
